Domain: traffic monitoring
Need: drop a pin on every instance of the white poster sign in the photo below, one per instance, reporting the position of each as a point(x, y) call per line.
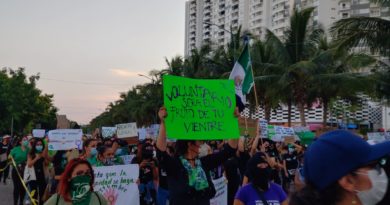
point(118, 184)
point(127, 158)
point(127, 130)
point(108, 131)
point(149, 132)
point(378, 137)
point(65, 139)
point(40, 133)
point(220, 197)
point(263, 124)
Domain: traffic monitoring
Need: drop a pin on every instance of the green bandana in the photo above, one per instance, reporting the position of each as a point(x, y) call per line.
point(196, 176)
point(80, 190)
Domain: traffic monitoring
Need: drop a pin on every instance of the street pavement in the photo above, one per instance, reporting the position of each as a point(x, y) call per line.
point(6, 193)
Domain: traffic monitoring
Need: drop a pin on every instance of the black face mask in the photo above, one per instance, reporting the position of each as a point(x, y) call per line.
point(261, 178)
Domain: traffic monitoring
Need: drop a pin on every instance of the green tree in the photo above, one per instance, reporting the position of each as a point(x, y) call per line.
point(23, 103)
point(337, 75)
point(294, 55)
point(370, 32)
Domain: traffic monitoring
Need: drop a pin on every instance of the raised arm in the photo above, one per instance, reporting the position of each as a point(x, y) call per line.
point(241, 144)
point(162, 136)
point(233, 143)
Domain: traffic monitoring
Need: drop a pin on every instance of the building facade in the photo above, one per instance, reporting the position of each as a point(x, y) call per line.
point(215, 20)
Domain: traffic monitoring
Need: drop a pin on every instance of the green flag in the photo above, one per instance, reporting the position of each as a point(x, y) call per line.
point(242, 74)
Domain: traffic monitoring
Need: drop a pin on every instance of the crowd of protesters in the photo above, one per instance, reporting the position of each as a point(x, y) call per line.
point(337, 168)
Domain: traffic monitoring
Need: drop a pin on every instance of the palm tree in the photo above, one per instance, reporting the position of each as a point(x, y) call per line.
point(370, 32)
point(294, 55)
point(195, 65)
point(263, 64)
point(175, 66)
point(337, 74)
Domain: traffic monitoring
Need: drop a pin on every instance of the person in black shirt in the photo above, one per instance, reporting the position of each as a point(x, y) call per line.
point(290, 163)
point(4, 152)
point(37, 159)
point(188, 176)
point(162, 192)
point(148, 174)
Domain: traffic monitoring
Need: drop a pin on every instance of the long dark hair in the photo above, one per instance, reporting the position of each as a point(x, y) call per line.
point(33, 150)
point(86, 144)
point(182, 147)
point(64, 185)
point(16, 141)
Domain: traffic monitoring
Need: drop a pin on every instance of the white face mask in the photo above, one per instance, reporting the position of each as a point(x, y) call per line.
point(203, 150)
point(378, 190)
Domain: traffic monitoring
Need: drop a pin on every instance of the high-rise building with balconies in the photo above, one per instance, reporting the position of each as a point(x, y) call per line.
point(215, 20)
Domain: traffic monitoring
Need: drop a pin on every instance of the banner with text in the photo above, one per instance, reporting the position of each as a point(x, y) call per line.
point(263, 125)
point(148, 132)
point(220, 197)
point(118, 184)
point(200, 109)
point(40, 133)
point(127, 130)
point(65, 139)
point(127, 158)
point(108, 131)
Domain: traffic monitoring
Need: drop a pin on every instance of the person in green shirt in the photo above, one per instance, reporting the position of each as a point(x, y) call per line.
point(19, 154)
point(89, 150)
point(76, 186)
point(106, 157)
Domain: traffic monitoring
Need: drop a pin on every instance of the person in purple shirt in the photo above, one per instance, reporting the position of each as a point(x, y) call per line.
point(260, 191)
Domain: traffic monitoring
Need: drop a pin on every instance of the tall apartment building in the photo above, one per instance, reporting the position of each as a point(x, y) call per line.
point(349, 8)
point(215, 20)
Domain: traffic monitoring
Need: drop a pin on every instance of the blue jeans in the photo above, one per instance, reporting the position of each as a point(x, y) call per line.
point(147, 193)
point(162, 196)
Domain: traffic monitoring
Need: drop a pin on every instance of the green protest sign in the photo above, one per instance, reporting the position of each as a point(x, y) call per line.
point(200, 109)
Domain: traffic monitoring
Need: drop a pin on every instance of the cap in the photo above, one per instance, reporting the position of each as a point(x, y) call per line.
point(336, 153)
point(6, 136)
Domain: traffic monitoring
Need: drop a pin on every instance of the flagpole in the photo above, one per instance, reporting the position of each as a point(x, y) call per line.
point(255, 92)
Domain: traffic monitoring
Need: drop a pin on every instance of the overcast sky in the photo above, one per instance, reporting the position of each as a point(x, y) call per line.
point(89, 51)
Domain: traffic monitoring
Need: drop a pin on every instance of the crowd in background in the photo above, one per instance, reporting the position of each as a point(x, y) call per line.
point(170, 172)
point(284, 159)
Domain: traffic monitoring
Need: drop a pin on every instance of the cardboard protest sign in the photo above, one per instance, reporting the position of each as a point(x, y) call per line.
point(200, 109)
point(220, 197)
point(252, 126)
point(108, 131)
point(65, 139)
point(118, 184)
point(40, 133)
point(289, 139)
point(127, 130)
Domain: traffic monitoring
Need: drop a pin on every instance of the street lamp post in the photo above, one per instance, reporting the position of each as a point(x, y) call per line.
point(141, 75)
